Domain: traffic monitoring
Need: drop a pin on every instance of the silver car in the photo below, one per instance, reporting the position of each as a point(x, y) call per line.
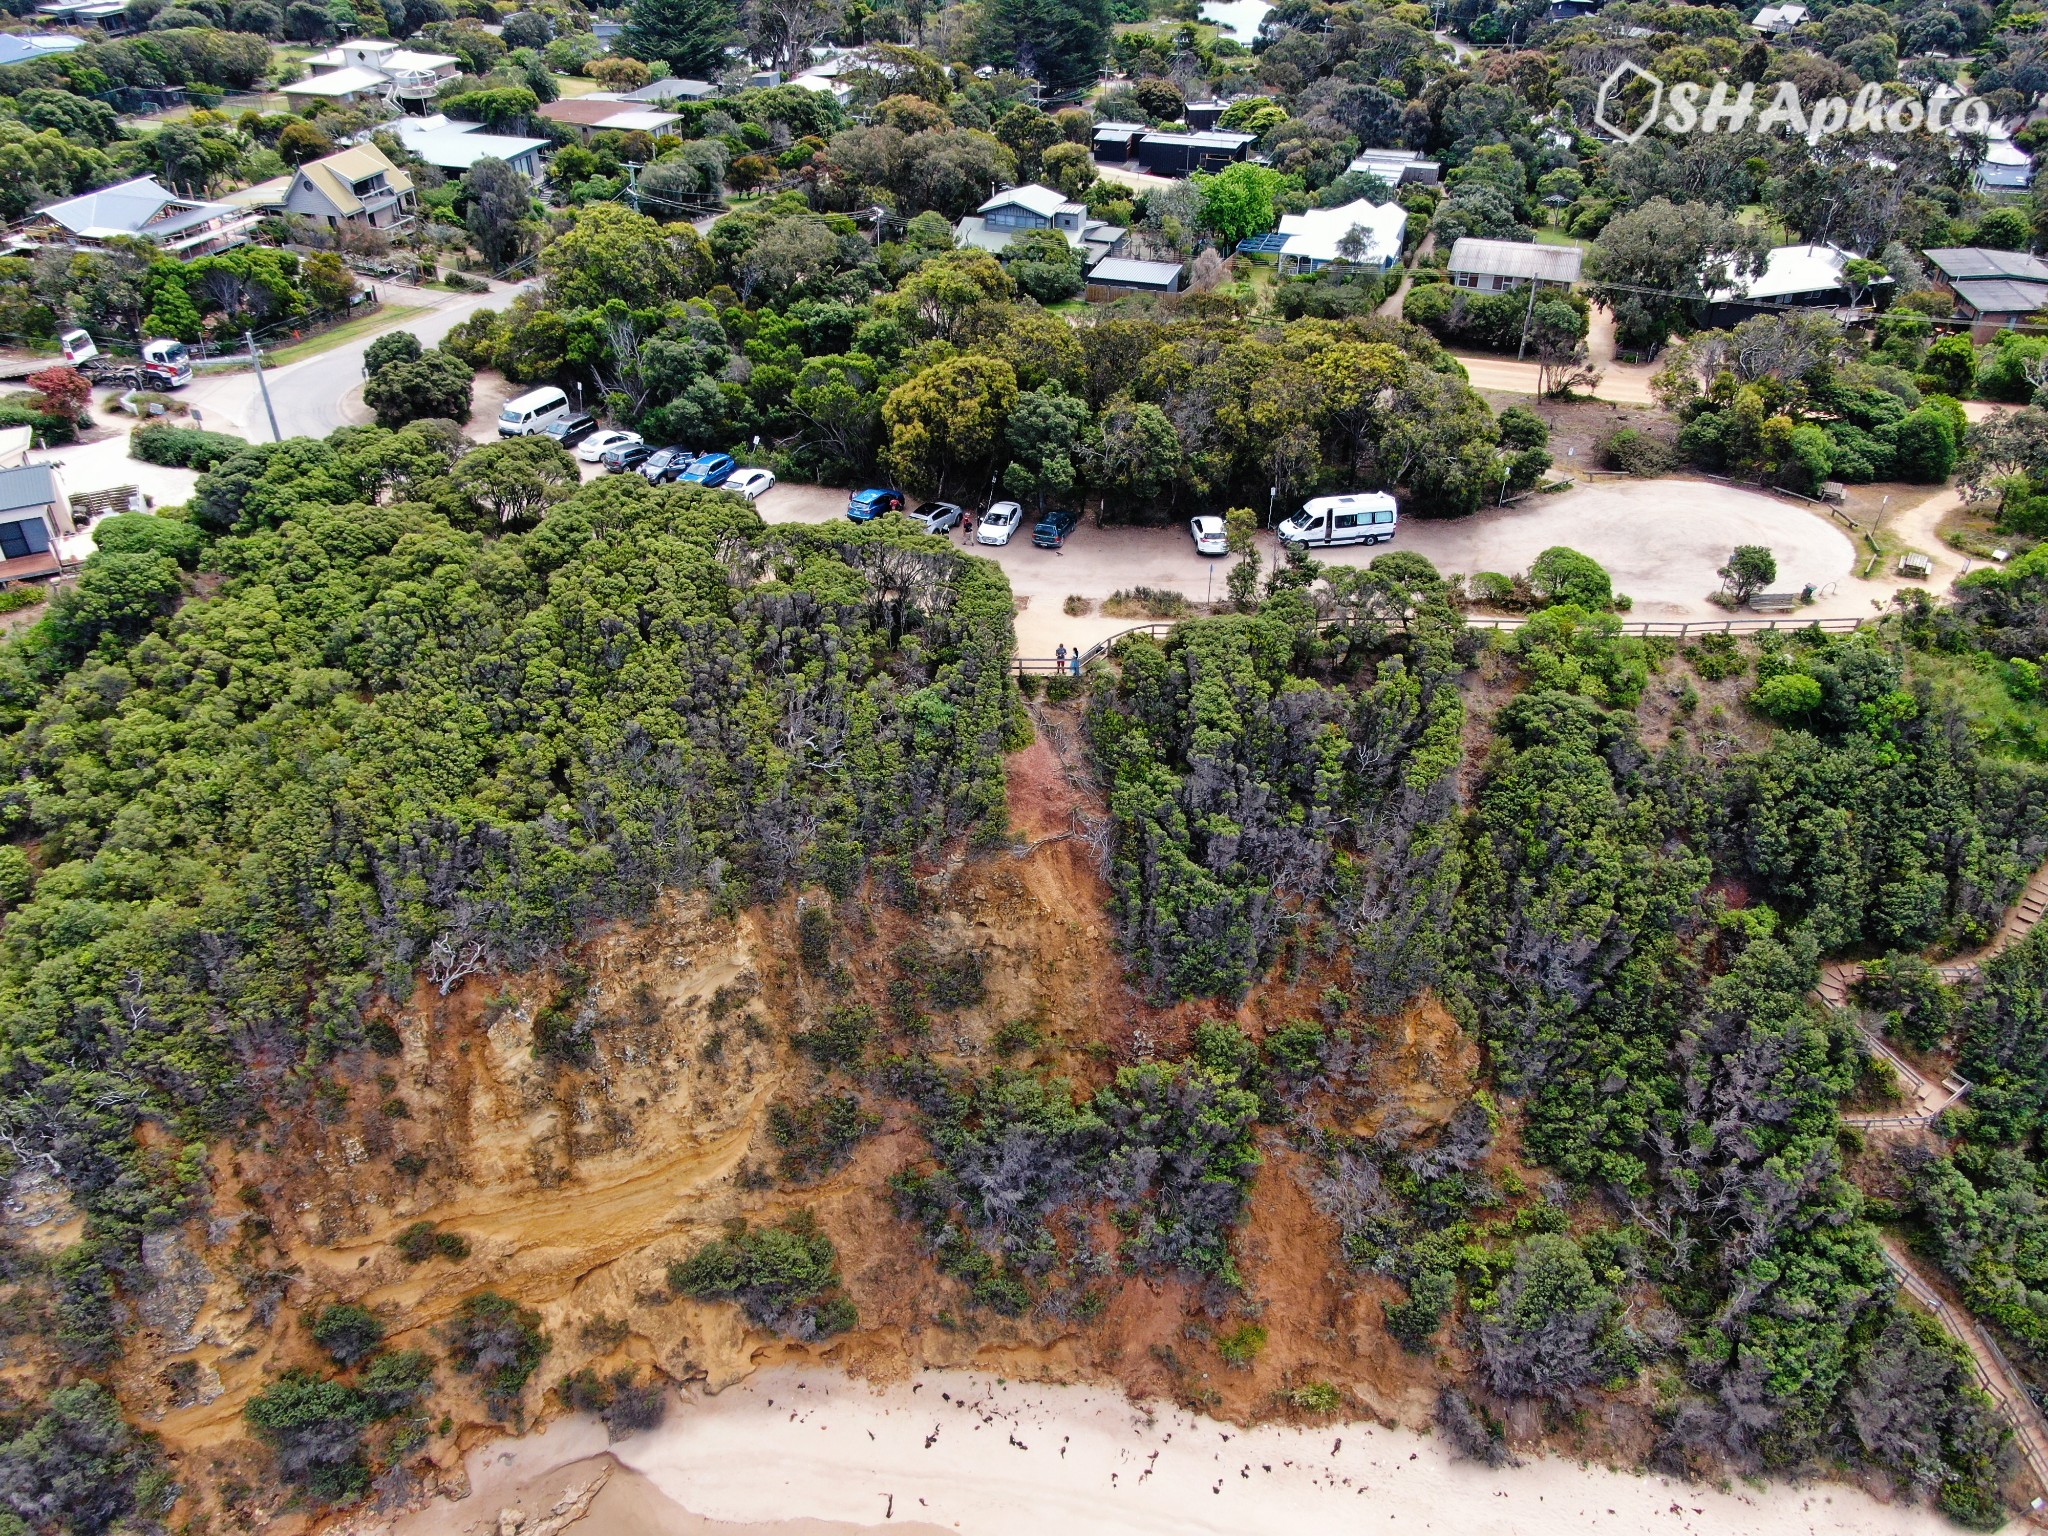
point(937, 516)
point(999, 523)
point(751, 483)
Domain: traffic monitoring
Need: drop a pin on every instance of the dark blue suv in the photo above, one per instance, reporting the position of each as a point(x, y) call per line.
point(1053, 528)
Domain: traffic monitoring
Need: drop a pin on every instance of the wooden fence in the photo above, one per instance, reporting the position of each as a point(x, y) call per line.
point(1675, 629)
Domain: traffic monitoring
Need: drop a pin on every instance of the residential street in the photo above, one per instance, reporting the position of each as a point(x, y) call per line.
point(310, 397)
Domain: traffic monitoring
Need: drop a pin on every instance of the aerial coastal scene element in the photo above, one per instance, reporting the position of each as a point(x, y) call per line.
point(807, 766)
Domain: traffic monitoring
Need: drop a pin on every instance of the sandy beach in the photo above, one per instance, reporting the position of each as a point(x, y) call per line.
point(813, 1453)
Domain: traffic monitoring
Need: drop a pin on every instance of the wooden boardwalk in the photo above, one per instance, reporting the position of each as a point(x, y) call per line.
point(1926, 1099)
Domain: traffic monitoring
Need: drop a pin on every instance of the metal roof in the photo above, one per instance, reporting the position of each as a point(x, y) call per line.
point(2002, 296)
point(1041, 200)
point(1974, 261)
point(141, 207)
point(1122, 271)
point(1513, 258)
point(27, 485)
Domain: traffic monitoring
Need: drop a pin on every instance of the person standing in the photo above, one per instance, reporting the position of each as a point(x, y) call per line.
point(1060, 656)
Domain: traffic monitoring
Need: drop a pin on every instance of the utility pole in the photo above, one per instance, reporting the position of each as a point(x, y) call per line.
point(1527, 315)
point(263, 388)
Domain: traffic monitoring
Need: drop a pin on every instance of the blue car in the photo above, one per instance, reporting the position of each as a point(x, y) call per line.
point(710, 469)
point(866, 506)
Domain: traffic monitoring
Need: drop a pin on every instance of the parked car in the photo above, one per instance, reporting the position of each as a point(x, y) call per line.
point(1053, 528)
point(709, 469)
point(751, 483)
point(664, 464)
point(631, 456)
point(937, 516)
point(594, 447)
point(1210, 536)
point(570, 430)
point(999, 523)
point(866, 506)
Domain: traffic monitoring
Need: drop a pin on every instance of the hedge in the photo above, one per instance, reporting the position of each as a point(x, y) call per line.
point(182, 447)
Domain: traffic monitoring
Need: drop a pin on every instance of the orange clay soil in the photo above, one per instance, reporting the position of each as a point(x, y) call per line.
point(575, 1188)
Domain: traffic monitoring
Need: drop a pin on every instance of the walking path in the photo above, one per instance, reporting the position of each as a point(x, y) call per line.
point(1995, 1373)
point(1927, 1099)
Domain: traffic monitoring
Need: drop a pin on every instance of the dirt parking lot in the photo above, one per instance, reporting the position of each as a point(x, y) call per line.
point(1662, 541)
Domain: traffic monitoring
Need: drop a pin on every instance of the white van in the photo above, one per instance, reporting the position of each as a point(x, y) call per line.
point(1364, 517)
point(532, 412)
point(78, 347)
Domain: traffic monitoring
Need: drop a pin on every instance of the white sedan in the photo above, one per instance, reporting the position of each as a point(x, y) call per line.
point(998, 523)
point(1210, 538)
point(592, 448)
point(750, 483)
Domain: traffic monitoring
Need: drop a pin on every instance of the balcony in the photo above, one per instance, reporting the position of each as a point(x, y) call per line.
point(415, 84)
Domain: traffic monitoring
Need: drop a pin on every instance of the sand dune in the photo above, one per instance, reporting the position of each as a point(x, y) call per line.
point(956, 1451)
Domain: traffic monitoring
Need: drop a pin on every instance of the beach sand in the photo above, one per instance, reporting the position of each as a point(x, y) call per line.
point(813, 1453)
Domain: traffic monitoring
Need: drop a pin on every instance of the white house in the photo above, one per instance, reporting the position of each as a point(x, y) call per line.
point(1779, 18)
point(1315, 239)
point(454, 147)
point(1015, 209)
point(376, 66)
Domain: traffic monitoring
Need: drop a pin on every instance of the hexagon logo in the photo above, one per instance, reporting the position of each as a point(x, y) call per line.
point(1611, 109)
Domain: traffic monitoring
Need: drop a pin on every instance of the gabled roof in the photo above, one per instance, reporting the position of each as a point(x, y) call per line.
point(1513, 258)
point(26, 485)
point(1041, 200)
point(1960, 261)
point(1317, 234)
point(335, 175)
point(142, 207)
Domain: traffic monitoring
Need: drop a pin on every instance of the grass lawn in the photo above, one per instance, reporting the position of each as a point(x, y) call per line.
point(383, 318)
point(569, 87)
point(1548, 236)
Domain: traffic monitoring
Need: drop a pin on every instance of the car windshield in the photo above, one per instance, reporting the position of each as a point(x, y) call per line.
point(999, 516)
point(931, 509)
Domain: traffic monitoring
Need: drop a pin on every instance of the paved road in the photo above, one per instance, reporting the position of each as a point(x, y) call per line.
point(309, 396)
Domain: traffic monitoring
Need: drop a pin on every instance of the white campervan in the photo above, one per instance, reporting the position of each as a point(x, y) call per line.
point(1365, 517)
point(532, 412)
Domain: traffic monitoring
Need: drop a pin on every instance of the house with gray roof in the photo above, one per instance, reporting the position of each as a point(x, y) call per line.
point(34, 513)
point(1015, 209)
point(1993, 290)
point(1497, 266)
point(142, 209)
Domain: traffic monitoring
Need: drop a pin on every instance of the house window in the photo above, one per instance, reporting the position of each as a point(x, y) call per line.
point(28, 537)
